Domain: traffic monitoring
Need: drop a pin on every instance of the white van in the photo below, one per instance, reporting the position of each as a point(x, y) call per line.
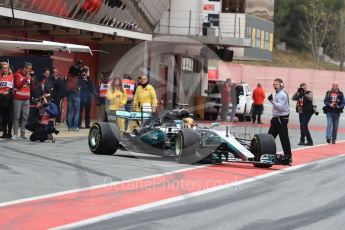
point(245, 101)
point(213, 101)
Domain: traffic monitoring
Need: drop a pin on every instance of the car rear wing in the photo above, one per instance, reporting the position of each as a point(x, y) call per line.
point(136, 116)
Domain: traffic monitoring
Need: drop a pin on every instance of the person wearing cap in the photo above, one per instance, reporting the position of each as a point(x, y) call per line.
point(305, 110)
point(76, 68)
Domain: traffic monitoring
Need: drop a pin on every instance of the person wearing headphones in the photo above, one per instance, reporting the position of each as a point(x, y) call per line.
point(280, 119)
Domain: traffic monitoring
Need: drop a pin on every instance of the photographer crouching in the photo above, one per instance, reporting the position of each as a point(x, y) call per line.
point(43, 127)
point(305, 109)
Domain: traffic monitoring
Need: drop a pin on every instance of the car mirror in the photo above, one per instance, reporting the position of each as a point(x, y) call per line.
point(207, 91)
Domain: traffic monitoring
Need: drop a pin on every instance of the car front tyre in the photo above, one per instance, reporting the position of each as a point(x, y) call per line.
point(186, 146)
point(104, 138)
point(263, 144)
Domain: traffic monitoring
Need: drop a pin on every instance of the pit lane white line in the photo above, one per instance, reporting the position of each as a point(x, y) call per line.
point(95, 187)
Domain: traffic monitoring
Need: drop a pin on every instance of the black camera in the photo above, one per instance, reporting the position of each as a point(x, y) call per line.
point(35, 100)
point(316, 112)
point(55, 131)
point(44, 105)
point(300, 90)
point(50, 89)
point(270, 97)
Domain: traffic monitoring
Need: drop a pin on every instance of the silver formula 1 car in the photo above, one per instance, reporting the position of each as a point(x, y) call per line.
point(168, 133)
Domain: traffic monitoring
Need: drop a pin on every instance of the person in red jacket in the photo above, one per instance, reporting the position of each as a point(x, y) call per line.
point(258, 106)
point(23, 82)
point(225, 99)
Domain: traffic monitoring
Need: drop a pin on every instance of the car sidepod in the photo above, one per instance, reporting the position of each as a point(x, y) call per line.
point(188, 147)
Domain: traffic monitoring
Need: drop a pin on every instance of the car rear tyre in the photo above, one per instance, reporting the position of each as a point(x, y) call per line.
point(263, 144)
point(104, 138)
point(186, 147)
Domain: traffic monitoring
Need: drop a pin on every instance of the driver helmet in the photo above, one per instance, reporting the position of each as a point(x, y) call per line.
point(183, 113)
point(189, 122)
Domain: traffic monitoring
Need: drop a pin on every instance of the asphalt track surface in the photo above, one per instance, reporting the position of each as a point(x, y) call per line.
point(308, 197)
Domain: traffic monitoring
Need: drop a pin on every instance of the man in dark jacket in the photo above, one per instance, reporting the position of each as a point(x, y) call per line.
point(102, 88)
point(334, 105)
point(58, 91)
point(305, 109)
point(87, 89)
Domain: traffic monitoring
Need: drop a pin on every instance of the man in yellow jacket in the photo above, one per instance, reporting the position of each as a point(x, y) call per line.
point(117, 99)
point(145, 100)
point(145, 96)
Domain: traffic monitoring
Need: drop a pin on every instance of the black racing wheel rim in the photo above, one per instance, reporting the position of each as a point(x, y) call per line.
point(255, 148)
point(178, 146)
point(94, 137)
